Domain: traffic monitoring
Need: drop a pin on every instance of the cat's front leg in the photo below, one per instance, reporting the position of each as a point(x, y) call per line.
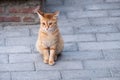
point(52, 55)
point(45, 55)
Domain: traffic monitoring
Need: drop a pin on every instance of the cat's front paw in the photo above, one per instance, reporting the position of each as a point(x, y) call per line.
point(51, 63)
point(45, 61)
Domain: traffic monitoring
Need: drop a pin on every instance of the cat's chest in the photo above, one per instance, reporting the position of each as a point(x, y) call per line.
point(49, 40)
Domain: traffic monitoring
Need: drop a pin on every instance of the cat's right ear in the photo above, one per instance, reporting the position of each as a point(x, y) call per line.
point(40, 13)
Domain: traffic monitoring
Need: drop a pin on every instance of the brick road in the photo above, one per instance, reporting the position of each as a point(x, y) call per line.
point(91, 31)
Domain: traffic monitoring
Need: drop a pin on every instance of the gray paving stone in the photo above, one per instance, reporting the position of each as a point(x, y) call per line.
point(105, 20)
point(112, 0)
point(79, 22)
point(63, 23)
point(14, 49)
point(99, 45)
point(80, 37)
point(37, 75)
point(62, 17)
point(3, 59)
point(34, 31)
point(108, 36)
point(115, 72)
point(109, 78)
point(54, 2)
point(76, 2)
point(95, 29)
point(70, 47)
point(20, 41)
point(114, 12)
point(64, 8)
point(17, 67)
point(82, 14)
point(21, 58)
point(118, 26)
point(50, 79)
point(101, 64)
point(71, 2)
point(14, 27)
point(2, 42)
point(5, 76)
point(60, 65)
point(1, 28)
point(16, 31)
point(1, 34)
point(66, 30)
point(78, 79)
point(112, 54)
point(82, 55)
point(33, 26)
point(102, 6)
point(34, 50)
point(74, 74)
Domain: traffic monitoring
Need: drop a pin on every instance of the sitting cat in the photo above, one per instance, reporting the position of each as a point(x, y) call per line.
point(49, 42)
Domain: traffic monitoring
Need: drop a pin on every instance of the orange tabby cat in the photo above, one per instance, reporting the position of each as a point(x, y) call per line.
point(49, 42)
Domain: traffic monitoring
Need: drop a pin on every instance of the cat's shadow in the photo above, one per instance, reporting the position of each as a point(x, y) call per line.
point(59, 57)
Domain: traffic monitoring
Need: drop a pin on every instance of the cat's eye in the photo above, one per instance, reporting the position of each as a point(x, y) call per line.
point(43, 23)
point(50, 23)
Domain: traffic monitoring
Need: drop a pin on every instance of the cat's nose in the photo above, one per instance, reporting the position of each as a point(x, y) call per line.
point(47, 28)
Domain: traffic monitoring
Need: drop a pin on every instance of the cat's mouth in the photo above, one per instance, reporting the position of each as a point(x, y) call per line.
point(49, 29)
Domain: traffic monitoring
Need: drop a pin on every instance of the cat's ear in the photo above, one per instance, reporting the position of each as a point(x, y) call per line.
point(56, 13)
point(40, 13)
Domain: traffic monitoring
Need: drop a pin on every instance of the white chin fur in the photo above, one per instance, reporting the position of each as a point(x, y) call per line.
point(49, 29)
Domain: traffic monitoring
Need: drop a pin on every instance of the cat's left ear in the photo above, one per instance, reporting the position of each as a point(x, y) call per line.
point(40, 13)
point(56, 13)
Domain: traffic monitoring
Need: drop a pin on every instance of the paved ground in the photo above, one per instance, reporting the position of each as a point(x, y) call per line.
point(91, 33)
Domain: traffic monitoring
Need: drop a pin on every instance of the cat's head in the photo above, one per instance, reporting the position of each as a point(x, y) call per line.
point(48, 21)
